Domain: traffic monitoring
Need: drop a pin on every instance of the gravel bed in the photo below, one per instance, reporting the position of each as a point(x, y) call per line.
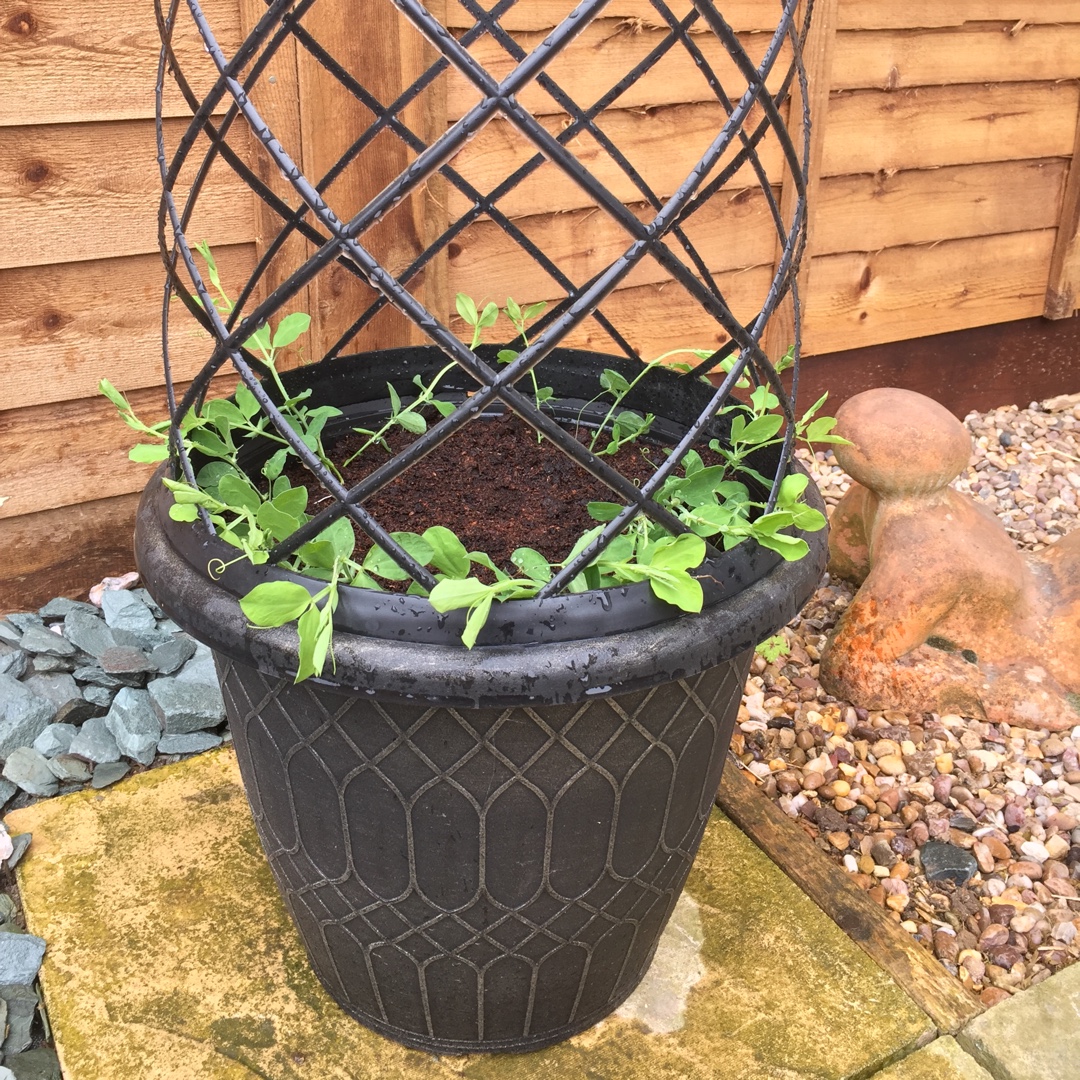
point(967, 832)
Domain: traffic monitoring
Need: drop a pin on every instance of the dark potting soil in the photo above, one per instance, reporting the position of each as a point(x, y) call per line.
point(491, 483)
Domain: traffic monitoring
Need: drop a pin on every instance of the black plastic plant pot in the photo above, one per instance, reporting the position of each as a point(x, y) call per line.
point(480, 848)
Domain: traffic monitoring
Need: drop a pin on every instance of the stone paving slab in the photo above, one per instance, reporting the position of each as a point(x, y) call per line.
point(943, 1059)
point(170, 955)
point(1032, 1036)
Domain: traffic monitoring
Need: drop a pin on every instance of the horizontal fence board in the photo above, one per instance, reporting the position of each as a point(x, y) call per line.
point(923, 206)
point(59, 64)
point(68, 326)
point(865, 299)
point(889, 14)
point(546, 14)
point(869, 130)
point(893, 59)
point(730, 232)
point(74, 192)
point(663, 145)
point(70, 452)
point(64, 552)
point(602, 54)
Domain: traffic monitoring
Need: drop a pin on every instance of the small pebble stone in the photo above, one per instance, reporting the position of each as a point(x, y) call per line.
point(29, 770)
point(109, 773)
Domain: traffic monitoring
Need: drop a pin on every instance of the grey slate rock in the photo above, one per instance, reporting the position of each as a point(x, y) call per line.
point(23, 620)
point(30, 770)
point(80, 710)
point(20, 958)
point(22, 1003)
point(36, 639)
point(93, 675)
point(124, 660)
point(23, 714)
point(61, 607)
point(69, 769)
point(43, 664)
point(13, 661)
point(99, 696)
point(200, 668)
point(58, 687)
point(39, 1064)
point(9, 634)
point(7, 790)
point(88, 632)
point(947, 862)
point(171, 656)
point(19, 844)
point(104, 775)
point(150, 602)
point(123, 610)
point(134, 725)
point(55, 739)
point(183, 707)
point(95, 742)
point(167, 626)
point(194, 743)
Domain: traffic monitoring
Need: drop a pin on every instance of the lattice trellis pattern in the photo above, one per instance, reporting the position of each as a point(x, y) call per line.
point(753, 110)
point(524, 859)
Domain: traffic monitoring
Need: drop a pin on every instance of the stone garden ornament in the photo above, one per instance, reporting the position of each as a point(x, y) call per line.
point(950, 616)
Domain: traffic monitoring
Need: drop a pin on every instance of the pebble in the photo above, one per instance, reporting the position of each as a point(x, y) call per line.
point(29, 770)
point(109, 773)
point(23, 715)
point(20, 958)
point(95, 742)
point(134, 725)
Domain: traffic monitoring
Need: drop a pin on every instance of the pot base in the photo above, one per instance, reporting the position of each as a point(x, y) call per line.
point(481, 879)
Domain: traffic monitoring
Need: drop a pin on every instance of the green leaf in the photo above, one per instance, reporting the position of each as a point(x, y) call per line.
point(481, 558)
point(275, 463)
point(445, 408)
point(276, 523)
point(679, 588)
point(209, 444)
point(531, 563)
point(692, 462)
point(307, 628)
point(791, 487)
point(613, 382)
point(260, 340)
point(788, 547)
point(448, 553)
point(683, 553)
point(489, 315)
point(395, 401)
point(185, 493)
point(513, 312)
point(761, 430)
point(633, 423)
point(533, 310)
point(478, 616)
point(105, 387)
point(319, 553)
point(210, 475)
point(763, 399)
point(466, 308)
point(149, 452)
point(376, 561)
point(702, 486)
point(246, 402)
point(183, 511)
point(412, 422)
point(820, 431)
point(291, 501)
point(274, 603)
point(203, 248)
point(290, 328)
point(506, 356)
point(451, 594)
point(237, 492)
point(604, 511)
point(224, 415)
point(342, 537)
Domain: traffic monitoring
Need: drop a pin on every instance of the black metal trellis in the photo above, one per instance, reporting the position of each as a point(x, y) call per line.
point(340, 243)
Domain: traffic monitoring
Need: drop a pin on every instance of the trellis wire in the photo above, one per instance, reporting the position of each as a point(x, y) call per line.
point(338, 242)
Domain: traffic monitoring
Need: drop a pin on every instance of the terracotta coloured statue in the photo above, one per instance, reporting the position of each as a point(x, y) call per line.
point(950, 617)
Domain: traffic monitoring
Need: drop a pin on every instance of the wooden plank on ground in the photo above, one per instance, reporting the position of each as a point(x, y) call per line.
point(386, 58)
point(821, 45)
point(72, 452)
point(899, 293)
point(979, 52)
point(932, 988)
point(871, 130)
point(67, 326)
point(75, 192)
point(730, 232)
point(1063, 286)
point(886, 14)
point(64, 63)
point(869, 212)
point(607, 50)
point(64, 552)
point(662, 144)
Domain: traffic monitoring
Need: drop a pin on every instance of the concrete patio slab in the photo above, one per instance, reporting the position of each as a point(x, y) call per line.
point(1033, 1036)
point(943, 1059)
point(170, 955)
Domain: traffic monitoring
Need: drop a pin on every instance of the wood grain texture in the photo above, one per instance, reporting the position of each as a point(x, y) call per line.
point(941, 996)
point(78, 192)
point(386, 58)
point(872, 130)
point(977, 53)
point(602, 53)
point(1063, 286)
point(64, 63)
point(67, 326)
point(64, 552)
point(888, 14)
